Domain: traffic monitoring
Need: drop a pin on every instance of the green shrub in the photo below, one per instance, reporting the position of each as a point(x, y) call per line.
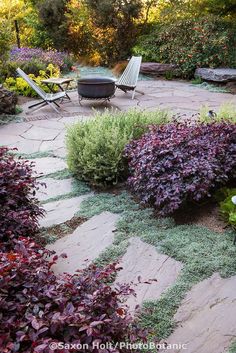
point(227, 111)
point(95, 147)
point(227, 207)
point(208, 41)
point(5, 38)
point(33, 66)
point(20, 86)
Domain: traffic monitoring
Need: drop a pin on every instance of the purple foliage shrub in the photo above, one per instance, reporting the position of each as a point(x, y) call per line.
point(175, 163)
point(39, 308)
point(19, 208)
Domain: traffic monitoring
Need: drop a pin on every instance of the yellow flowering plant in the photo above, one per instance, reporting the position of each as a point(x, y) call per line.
point(20, 86)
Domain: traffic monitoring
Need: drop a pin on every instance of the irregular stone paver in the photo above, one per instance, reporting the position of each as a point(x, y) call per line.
point(48, 165)
point(41, 133)
point(14, 129)
point(53, 188)
point(7, 139)
point(60, 152)
point(51, 145)
point(51, 124)
point(207, 317)
point(142, 260)
point(61, 211)
point(24, 146)
point(87, 242)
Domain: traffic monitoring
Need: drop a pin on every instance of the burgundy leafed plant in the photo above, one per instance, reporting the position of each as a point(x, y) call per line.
point(38, 307)
point(19, 208)
point(175, 163)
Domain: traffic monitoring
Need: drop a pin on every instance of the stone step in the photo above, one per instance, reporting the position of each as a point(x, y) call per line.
point(53, 188)
point(143, 261)
point(207, 317)
point(61, 211)
point(85, 244)
point(48, 165)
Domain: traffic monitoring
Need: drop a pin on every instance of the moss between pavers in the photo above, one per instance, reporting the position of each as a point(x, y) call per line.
point(78, 188)
point(34, 154)
point(59, 175)
point(232, 348)
point(202, 251)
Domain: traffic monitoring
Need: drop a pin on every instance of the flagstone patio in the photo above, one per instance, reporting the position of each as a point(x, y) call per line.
point(178, 96)
point(207, 317)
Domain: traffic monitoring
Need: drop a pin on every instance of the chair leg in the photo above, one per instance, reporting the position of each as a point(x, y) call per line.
point(57, 104)
point(133, 94)
point(140, 92)
point(37, 104)
point(53, 107)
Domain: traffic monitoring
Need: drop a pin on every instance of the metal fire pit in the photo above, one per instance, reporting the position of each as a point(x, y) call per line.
point(96, 88)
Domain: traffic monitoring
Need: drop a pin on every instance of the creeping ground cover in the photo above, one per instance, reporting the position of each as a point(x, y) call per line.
point(189, 244)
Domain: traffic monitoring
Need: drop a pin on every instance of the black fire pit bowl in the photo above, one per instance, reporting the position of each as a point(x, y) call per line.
point(96, 88)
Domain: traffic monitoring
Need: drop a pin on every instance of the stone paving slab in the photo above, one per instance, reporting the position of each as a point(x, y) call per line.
point(26, 147)
point(142, 260)
point(14, 129)
point(8, 140)
point(61, 211)
point(207, 317)
point(51, 124)
point(53, 188)
point(60, 152)
point(87, 242)
point(48, 165)
point(51, 145)
point(41, 133)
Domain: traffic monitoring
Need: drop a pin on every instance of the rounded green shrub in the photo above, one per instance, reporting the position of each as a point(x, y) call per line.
point(95, 147)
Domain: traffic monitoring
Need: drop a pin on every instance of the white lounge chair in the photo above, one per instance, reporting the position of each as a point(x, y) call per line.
point(47, 98)
point(129, 78)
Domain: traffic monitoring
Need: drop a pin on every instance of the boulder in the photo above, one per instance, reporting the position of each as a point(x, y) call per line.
point(8, 101)
point(157, 69)
point(216, 75)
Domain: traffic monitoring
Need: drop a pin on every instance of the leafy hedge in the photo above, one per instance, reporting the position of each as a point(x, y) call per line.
point(208, 41)
point(227, 207)
point(95, 147)
point(39, 308)
point(175, 163)
point(19, 208)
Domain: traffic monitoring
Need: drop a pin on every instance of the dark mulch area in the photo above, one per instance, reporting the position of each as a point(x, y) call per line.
point(60, 230)
point(206, 214)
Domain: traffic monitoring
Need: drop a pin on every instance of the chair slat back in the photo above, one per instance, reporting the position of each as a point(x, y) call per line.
point(130, 75)
point(31, 83)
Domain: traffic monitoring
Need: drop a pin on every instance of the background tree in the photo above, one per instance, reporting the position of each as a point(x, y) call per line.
point(52, 19)
point(116, 25)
